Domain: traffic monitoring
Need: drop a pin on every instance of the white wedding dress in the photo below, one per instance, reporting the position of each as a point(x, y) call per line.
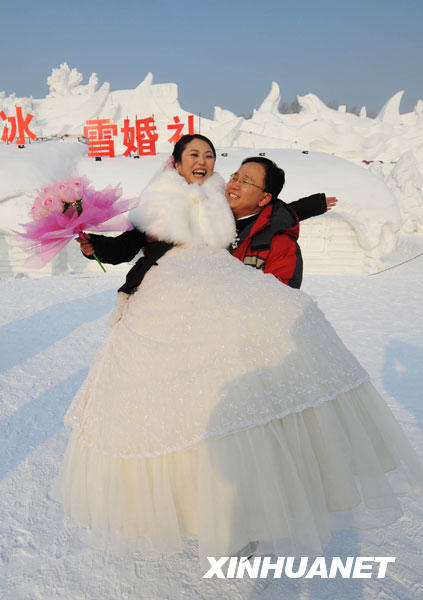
point(224, 407)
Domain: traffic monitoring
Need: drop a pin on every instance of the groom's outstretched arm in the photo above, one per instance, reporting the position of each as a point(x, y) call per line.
point(312, 206)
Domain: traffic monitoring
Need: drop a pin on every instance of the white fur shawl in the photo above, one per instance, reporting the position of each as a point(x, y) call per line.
point(172, 210)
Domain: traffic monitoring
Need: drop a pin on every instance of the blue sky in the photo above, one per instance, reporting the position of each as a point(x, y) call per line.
point(223, 53)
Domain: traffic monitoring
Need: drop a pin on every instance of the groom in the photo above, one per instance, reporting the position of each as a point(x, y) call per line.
point(267, 228)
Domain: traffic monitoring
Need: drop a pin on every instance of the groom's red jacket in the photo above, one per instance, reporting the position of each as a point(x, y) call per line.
point(271, 244)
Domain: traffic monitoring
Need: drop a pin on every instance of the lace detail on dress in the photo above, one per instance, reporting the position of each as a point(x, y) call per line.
point(206, 347)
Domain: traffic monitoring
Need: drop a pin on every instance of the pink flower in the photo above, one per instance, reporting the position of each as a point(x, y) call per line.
point(72, 189)
point(53, 198)
point(46, 205)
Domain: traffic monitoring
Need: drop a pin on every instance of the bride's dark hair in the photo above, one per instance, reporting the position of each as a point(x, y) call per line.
point(186, 139)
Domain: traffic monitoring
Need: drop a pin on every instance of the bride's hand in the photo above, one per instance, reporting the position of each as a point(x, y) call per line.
point(83, 240)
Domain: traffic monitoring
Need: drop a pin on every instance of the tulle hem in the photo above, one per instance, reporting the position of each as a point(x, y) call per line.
point(286, 484)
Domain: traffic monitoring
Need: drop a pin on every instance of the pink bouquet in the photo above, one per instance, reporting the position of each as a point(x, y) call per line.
point(63, 209)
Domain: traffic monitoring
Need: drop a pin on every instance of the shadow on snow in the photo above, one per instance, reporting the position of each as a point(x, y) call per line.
point(25, 338)
point(35, 422)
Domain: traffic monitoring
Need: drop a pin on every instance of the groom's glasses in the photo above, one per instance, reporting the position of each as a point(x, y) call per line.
point(244, 181)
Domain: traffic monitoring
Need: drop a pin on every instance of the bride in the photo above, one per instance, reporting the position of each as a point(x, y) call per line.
point(223, 406)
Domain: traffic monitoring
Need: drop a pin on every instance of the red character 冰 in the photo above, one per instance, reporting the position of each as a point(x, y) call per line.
point(19, 124)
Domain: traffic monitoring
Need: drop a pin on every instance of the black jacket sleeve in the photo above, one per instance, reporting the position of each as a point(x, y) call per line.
point(115, 250)
point(152, 252)
point(310, 206)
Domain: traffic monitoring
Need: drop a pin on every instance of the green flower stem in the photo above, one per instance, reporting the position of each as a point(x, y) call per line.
point(96, 257)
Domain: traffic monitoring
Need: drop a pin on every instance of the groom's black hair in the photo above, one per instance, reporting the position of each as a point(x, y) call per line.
point(274, 178)
point(186, 139)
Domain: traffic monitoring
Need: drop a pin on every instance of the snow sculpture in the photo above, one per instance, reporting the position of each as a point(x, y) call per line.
point(418, 109)
point(389, 113)
point(406, 181)
point(8, 104)
point(92, 85)
point(62, 80)
point(271, 102)
point(222, 114)
point(311, 103)
point(65, 81)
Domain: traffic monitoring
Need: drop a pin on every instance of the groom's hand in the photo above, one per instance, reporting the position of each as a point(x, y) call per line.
point(331, 202)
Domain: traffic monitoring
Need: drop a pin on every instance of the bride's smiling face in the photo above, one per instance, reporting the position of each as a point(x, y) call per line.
point(197, 162)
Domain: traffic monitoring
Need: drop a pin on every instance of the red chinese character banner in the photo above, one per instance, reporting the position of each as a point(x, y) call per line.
point(16, 125)
point(178, 126)
point(100, 133)
point(142, 138)
point(139, 137)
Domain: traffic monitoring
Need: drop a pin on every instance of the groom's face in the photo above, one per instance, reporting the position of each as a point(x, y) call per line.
point(245, 190)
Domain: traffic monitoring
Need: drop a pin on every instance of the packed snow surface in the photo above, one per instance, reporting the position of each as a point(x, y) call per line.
point(51, 329)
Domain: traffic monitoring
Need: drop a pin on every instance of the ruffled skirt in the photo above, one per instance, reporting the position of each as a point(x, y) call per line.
point(287, 484)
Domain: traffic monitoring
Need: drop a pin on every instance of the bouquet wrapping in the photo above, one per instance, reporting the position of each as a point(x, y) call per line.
point(64, 209)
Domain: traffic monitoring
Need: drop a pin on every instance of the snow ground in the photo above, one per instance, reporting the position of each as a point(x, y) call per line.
point(50, 330)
